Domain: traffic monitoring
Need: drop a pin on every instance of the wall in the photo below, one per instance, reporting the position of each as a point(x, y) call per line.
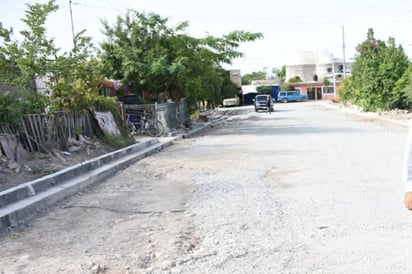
point(305, 72)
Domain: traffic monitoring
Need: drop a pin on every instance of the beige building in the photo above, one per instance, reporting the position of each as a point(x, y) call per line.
point(235, 77)
point(314, 66)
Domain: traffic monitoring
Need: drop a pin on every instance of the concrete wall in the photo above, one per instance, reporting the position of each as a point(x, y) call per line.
point(305, 72)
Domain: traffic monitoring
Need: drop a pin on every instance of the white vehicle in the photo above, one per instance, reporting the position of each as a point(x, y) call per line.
point(231, 102)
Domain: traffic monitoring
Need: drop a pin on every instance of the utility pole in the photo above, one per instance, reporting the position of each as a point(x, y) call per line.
point(343, 46)
point(71, 19)
point(333, 77)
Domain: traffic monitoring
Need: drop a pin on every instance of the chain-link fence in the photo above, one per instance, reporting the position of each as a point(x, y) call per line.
point(172, 115)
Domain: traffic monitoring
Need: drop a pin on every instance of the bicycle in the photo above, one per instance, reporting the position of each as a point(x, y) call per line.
point(141, 125)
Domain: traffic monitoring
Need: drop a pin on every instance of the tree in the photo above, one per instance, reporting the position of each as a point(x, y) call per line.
point(279, 73)
point(265, 89)
point(152, 58)
point(248, 78)
point(295, 79)
point(325, 82)
point(402, 92)
point(282, 73)
point(375, 73)
point(29, 59)
point(72, 77)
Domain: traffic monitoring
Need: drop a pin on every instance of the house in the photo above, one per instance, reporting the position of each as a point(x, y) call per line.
point(315, 90)
point(315, 68)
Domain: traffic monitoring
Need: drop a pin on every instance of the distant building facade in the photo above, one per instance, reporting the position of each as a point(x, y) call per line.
point(235, 77)
point(315, 68)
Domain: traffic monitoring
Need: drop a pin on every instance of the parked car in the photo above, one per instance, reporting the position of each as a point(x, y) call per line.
point(260, 102)
point(291, 96)
point(231, 102)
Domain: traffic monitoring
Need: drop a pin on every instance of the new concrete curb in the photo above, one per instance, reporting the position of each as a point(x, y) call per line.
point(20, 203)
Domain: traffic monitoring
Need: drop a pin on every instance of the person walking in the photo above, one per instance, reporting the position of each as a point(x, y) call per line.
point(269, 104)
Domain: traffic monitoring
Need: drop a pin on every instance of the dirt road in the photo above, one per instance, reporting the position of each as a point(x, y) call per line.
point(302, 190)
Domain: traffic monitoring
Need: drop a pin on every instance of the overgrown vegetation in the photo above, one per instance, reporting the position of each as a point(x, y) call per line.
point(381, 76)
point(14, 106)
point(142, 51)
point(262, 75)
point(152, 58)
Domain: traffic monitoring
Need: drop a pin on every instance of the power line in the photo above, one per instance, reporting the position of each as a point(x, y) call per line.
point(400, 20)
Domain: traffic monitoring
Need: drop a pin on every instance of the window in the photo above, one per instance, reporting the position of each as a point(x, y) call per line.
point(328, 90)
point(298, 90)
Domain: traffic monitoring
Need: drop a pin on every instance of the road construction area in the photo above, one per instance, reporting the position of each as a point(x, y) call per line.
point(305, 189)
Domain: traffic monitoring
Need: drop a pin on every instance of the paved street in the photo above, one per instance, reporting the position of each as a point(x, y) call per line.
point(306, 189)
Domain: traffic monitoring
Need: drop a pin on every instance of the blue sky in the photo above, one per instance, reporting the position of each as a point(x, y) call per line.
point(288, 26)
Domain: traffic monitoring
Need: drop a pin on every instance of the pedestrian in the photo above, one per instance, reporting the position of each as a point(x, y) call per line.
point(407, 171)
point(269, 104)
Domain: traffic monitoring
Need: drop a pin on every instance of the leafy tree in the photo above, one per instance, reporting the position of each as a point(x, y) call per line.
point(29, 59)
point(285, 86)
point(375, 74)
point(295, 79)
point(279, 73)
point(264, 89)
point(282, 73)
point(152, 58)
point(391, 70)
point(248, 78)
point(402, 92)
point(72, 77)
point(75, 77)
point(325, 82)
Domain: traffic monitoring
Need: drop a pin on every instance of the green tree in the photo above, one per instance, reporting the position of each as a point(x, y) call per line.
point(72, 77)
point(29, 59)
point(295, 79)
point(391, 70)
point(375, 73)
point(279, 73)
point(248, 78)
point(152, 58)
point(264, 89)
point(402, 92)
point(325, 82)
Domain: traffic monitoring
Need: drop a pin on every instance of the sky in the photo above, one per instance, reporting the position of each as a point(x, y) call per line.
point(288, 26)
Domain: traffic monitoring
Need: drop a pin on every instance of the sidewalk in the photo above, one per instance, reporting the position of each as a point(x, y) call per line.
point(398, 117)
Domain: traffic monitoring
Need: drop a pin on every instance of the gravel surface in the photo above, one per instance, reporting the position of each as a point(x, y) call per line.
point(306, 189)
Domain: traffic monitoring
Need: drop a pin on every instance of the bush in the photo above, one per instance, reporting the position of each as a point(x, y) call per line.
point(11, 109)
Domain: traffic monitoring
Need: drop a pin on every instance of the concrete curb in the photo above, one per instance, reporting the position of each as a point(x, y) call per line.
point(20, 203)
point(403, 123)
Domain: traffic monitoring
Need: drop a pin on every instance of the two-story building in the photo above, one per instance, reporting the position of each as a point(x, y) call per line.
point(321, 73)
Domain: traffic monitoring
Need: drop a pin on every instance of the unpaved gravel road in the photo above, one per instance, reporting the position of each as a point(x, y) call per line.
point(303, 190)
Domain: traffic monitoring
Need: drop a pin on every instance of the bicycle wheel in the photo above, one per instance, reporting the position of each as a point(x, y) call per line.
point(155, 128)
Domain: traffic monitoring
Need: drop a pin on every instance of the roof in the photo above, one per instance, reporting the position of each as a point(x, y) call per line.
point(249, 89)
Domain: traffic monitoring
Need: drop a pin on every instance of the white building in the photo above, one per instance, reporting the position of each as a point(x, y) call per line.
point(314, 66)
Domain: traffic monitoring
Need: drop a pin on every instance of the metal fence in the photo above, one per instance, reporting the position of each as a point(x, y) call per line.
point(172, 115)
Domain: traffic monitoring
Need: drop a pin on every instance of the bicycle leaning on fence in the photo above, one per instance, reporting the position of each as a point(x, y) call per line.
point(140, 124)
